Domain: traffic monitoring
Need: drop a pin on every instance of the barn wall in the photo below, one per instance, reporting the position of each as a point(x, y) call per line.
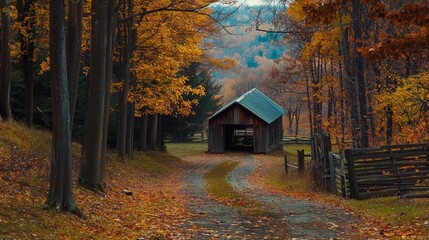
point(260, 137)
point(276, 135)
point(216, 138)
point(235, 115)
point(265, 135)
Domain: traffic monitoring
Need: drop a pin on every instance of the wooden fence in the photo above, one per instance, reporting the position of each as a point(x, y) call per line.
point(388, 171)
point(304, 161)
point(340, 184)
point(298, 140)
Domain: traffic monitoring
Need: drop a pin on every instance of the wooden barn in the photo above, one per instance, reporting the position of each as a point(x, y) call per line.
point(252, 121)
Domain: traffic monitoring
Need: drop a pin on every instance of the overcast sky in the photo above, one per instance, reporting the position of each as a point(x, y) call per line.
point(254, 2)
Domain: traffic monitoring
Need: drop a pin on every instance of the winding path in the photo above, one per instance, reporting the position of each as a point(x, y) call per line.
point(288, 218)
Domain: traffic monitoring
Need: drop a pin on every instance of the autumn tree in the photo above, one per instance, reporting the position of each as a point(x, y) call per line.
point(60, 190)
point(165, 43)
point(5, 61)
point(285, 83)
point(92, 164)
point(183, 127)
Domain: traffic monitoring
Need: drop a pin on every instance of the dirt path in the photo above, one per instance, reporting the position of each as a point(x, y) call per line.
point(288, 218)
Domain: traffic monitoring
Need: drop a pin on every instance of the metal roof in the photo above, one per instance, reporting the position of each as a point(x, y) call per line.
point(257, 103)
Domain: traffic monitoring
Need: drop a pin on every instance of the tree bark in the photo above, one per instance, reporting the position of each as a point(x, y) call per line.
point(60, 190)
point(159, 138)
point(350, 85)
point(74, 49)
point(130, 131)
point(25, 10)
point(111, 35)
point(143, 133)
point(5, 64)
point(91, 175)
point(307, 92)
point(152, 132)
point(127, 41)
point(360, 73)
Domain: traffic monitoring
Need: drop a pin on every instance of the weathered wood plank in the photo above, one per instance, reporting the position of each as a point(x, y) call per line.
point(381, 193)
point(413, 145)
point(422, 195)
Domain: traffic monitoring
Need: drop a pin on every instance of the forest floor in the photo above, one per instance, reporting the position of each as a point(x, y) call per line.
point(185, 194)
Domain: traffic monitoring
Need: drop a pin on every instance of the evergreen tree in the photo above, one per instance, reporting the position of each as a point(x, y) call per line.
point(183, 127)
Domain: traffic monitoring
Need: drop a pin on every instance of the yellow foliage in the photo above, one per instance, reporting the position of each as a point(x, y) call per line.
point(223, 64)
point(410, 104)
point(167, 42)
point(295, 9)
point(323, 42)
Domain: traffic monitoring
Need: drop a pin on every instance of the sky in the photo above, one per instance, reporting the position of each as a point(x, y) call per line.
point(254, 2)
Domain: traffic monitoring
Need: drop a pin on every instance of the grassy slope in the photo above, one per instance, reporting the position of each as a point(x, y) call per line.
point(185, 149)
point(403, 216)
point(24, 174)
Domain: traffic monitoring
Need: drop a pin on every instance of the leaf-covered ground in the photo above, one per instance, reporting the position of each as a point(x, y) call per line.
point(381, 218)
point(154, 210)
point(188, 195)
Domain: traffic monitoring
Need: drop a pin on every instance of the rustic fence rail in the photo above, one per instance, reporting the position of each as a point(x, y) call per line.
point(388, 171)
point(304, 161)
point(298, 140)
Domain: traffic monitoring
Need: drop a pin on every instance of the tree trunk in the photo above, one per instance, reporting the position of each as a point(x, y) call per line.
point(290, 121)
point(127, 41)
point(360, 73)
point(74, 49)
point(60, 189)
point(130, 131)
point(307, 92)
point(297, 117)
point(25, 10)
point(111, 35)
point(28, 66)
point(342, 107)
point(351, 88)
point(152, 132)
point(5, 64)
point(91, 175)
point(316, 94)
point(143, 133)
point(159, 137)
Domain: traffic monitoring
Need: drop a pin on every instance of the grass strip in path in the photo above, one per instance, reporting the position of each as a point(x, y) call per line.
point(221, 190)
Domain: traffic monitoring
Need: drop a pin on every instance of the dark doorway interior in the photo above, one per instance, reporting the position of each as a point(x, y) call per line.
point(239, 137)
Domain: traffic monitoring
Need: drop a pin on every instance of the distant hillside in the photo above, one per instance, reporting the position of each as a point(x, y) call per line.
point(254, 51)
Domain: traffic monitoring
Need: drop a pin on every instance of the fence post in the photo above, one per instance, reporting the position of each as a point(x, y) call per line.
point(343, 178)
point(332, 173)
point(300, 161)
point(354, 192)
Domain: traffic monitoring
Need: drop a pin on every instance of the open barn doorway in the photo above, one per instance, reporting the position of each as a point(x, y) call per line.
point(239, 138)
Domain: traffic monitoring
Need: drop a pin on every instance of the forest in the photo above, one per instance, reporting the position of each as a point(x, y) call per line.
point(358, 67)
point(95, 67)
point(119, 76)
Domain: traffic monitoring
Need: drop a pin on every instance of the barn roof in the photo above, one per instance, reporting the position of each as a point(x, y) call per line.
point(257, 103)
